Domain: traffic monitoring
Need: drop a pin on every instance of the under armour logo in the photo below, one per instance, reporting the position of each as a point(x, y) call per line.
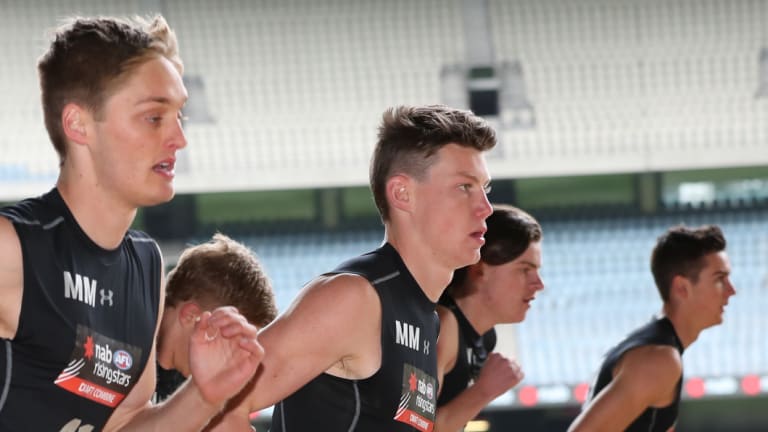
point(74, 426)
point(426, 347)
point(106, 295)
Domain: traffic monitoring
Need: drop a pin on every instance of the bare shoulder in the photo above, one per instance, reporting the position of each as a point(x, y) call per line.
point(447, 340)
point(447, 318)
point(345, 283)
point(332, 326)
point(650, 369)
point(11, 279)
point(348, 293)
point(449, 326)
point(10, 247)
point(329, 306)
point(645, 376)
point(661, 359)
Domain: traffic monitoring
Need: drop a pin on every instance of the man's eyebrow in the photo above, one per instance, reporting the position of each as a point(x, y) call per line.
point(475, 178)
point(158, 99)
point(155, 99)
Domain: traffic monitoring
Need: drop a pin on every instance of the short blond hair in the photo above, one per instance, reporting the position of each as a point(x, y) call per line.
point(88, 60)
point(222, 272)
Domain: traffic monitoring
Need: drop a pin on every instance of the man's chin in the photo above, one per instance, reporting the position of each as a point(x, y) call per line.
point(474, 258)
point(160, 199)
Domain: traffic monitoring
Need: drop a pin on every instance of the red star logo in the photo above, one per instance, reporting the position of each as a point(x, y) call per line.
point(412, 381)
point(88, 347)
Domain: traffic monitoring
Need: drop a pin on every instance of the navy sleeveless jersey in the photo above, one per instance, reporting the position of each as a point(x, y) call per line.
point(472, 352)
point(88, 317)
point(657, 332)
point(401, 395)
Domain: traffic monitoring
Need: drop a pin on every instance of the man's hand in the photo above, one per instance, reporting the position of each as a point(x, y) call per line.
point(224, 353)
point(498, 375)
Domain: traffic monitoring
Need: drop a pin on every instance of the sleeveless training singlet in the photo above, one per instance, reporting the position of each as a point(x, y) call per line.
point(657, 332)
point(87, 322)
point(401, 395)
point(473, 351)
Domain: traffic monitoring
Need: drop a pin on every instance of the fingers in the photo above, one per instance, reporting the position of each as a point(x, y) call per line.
point(226, 322)
point(517, 374)
point(505, 373)
point(229, 323)
point(252, 346)
point(202, 322)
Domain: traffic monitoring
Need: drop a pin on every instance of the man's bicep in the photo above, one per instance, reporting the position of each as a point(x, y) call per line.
point(11, 279)
point(447, 344)
point(642, 377)
point(614, 408)
point(327, 324)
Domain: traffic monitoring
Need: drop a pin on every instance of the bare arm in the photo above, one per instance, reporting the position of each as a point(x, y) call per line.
point(185, 410)
point(447, 344)
point(498, 375)
point(645, 377)
point(224, 355)
point(333, 326)
point(235, 417)
point(11, 279)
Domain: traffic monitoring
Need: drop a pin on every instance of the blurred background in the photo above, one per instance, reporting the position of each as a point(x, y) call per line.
point(616, 120)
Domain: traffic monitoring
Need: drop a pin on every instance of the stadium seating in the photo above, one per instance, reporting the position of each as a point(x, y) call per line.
point(296, 88)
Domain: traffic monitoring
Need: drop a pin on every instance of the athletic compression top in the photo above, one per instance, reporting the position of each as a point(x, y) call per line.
point(472, 351)
point(657, 332)
point(88, 318)
point(401, 395)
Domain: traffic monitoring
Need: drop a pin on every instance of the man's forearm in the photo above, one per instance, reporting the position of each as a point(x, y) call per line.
point(454, 415)
point(185, 410)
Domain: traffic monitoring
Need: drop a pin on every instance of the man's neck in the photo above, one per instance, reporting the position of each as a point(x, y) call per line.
point(476, 314)
point(686, 330)
point(102, 219)
point(431, 276)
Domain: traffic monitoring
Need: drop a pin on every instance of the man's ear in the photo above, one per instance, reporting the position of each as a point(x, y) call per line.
point(75, 123)
point(399, 192)
point(189, 313)
point(680, 287)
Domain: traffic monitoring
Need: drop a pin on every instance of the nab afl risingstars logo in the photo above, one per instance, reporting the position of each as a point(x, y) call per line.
point(122, 360)
point(100, 369)
point(417, 401)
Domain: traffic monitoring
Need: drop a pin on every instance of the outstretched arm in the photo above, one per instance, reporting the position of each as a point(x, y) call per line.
point(645, 377)
point(498, 375)
point(333, 326)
